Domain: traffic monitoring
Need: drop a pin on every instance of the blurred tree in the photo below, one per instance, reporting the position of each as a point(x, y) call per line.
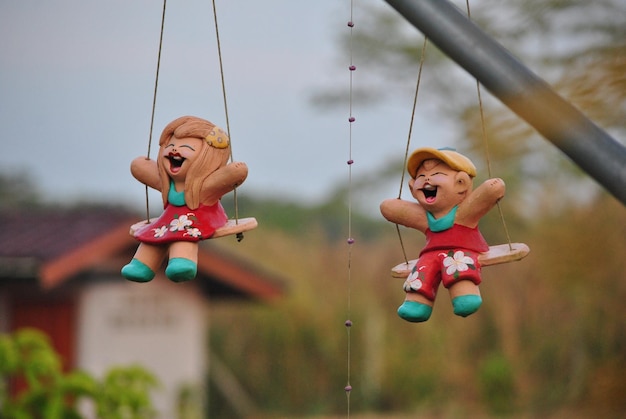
point(579, 47)
point(18, 190)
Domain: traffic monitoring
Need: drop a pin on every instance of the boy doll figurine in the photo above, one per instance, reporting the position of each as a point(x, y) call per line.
point(447, 211)
point(192, 174)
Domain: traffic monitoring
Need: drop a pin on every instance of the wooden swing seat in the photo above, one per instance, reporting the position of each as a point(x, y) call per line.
point(231, 227)
point(501, 253)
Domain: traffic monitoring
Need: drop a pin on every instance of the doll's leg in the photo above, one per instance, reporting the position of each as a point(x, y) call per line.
point(461, 275)
point(147, 259)
point(415, 308)
point(465, 297)
point(420, 288)
point(183, 263)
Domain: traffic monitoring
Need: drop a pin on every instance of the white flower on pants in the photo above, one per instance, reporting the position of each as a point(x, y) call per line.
point(180, 224)
point(414, 280)
point(457, 262)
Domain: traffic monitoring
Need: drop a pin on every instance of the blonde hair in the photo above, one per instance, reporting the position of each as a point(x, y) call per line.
point(208, 161)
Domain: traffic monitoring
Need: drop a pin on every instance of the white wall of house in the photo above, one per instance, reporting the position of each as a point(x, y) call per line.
point(160, 325)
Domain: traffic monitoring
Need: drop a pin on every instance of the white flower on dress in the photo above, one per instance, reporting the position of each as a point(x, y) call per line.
point(160, 232)
point(193, 232)
point(457, 262)
point(180, 224)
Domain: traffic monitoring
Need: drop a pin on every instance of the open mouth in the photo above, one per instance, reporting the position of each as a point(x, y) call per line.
point(430, 193)
point(176, 162)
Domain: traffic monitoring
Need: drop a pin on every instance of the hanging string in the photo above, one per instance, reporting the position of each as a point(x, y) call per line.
point(486, 145)
point(351, 119)
point(154, 97)
point(408, 140)
point(219, 55)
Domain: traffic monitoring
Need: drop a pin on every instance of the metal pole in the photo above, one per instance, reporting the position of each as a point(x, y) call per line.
point(591, 148)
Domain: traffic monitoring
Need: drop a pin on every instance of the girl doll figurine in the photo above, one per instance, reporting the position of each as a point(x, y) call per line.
point(447, 211)
point(192, 174)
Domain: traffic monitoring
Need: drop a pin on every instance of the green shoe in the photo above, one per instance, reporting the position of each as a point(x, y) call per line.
point(137, 271)
point(465, 305)
point(181, 269)
point(414, 312)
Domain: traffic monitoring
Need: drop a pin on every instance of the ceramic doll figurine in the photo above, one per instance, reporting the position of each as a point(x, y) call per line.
point(447, 211)
point(192, 173)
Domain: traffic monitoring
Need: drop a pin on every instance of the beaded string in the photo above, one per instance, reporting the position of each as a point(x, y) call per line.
point(350, 241)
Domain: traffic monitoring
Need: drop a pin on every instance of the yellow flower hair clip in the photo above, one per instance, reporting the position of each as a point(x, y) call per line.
point(217, 138)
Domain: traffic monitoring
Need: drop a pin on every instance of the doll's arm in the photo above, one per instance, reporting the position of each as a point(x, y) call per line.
point(480, 201)
point(222, 181)
point(145, 171)
point(409, 214)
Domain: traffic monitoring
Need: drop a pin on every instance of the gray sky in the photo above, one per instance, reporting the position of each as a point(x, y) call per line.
point(77, 81)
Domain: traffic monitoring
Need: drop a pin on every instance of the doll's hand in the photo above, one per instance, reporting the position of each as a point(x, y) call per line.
point(222, 181)
point(495, 182)
point(480, 201)
point(238, 171)
point(409, 214)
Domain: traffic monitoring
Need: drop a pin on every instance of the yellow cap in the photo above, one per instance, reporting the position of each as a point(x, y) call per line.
point(449, 156)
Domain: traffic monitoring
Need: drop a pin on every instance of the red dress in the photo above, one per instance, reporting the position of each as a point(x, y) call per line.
point(179, 223)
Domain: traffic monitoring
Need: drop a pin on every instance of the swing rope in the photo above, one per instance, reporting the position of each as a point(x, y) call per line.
point(154, 98)
point(488, 159)
point(408, 141)
point(222, 78)
point(486, 145)
point(223, 84)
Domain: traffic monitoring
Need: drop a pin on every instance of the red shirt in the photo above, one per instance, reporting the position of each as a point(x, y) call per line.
point(456, 237)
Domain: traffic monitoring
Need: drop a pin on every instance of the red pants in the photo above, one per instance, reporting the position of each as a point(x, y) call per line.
point(448, 266)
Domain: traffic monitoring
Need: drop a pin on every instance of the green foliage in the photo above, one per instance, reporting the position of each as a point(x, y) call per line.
point(124, 394)
point(497, 384)
point(27, 357)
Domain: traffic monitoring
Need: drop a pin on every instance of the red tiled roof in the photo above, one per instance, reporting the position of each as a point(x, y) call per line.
point(47, 234)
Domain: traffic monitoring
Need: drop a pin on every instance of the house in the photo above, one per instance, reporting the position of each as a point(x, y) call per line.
point(59, 272)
